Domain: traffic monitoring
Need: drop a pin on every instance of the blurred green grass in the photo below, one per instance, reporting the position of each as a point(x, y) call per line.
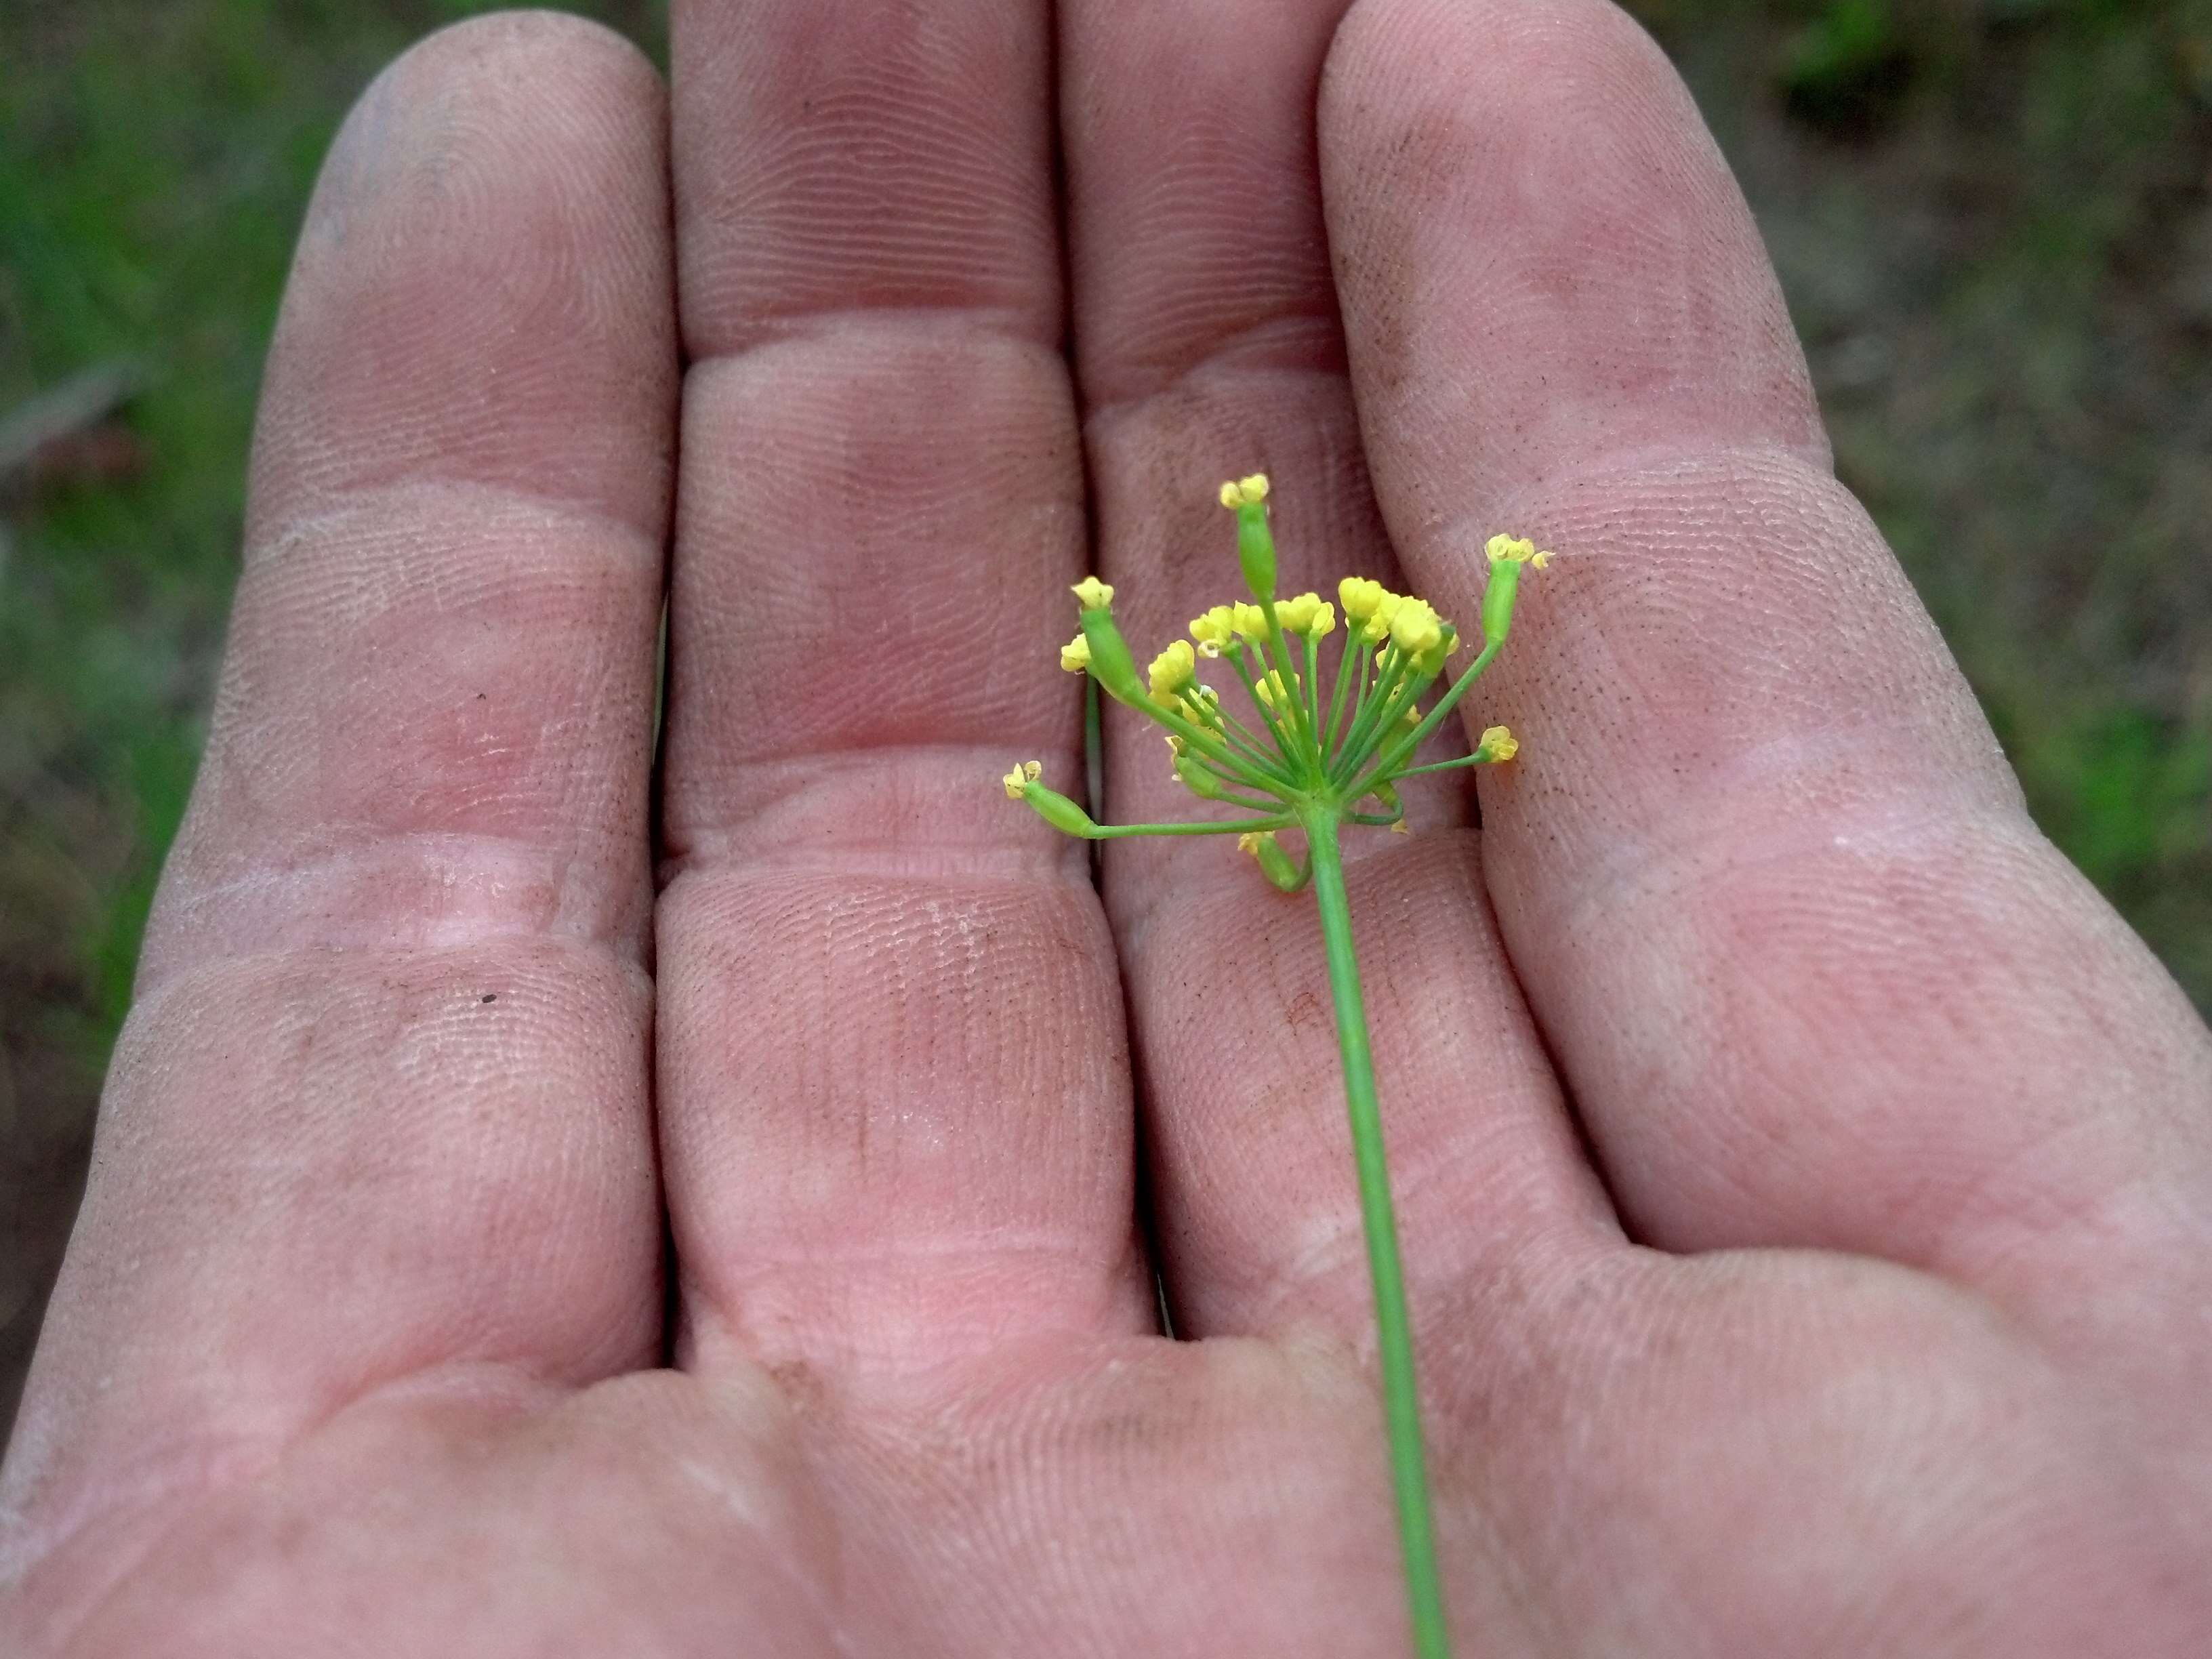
point(1991, 219)
point(155, 161)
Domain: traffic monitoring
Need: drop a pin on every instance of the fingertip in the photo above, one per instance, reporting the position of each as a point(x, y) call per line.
point(484, 277)
point(1529, 188)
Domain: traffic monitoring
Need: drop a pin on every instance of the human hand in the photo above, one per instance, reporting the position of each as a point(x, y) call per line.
point(1866, 1314)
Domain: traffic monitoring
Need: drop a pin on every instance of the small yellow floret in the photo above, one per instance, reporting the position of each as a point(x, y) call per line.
point(1415, 628)
point(1515, 551)
point(1269, 690)
point(1379, 621)
point(1253, 839)
point(1025, 772)
point(1309, 615)
point(1359, 596)
point(1075, 655)
point(1212, 629)
point(1172, 670)
point(1499, 744)
point(1248, 620)
point(1092, 594)
point(1246, 492)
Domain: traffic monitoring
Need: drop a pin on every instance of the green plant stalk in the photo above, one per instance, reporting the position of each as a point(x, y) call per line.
point(1401, 1402)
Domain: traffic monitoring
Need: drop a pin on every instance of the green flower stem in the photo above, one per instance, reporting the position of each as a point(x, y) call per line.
point(1231, 798)
point(1347, 671)
point(1398, 753)
point(1233, 827)
point(1236, 654)
point(1201, 739)
point(1370, 732)
point(1476, 759)
point(1313, 698)
point(1400, 1395)
point(1294, 694)
point(1240, 738)
point(1411, 687)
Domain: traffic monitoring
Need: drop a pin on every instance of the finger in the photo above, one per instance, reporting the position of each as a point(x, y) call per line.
point(380, 1105)
point(1811, 975)
point(1207, 345)
point(894, 1104)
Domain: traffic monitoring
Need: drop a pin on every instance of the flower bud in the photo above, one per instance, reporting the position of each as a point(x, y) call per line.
point(1274, 863)
point(1498, 599)
point(1111, 665)
point(1197, 776)
point(1058, 811)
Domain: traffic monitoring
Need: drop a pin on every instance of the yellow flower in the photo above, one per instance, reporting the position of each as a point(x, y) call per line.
point(1212, 629)
point(1024, 774)
point(1415, 628)
point(1172, 670)
point(1269, 689)
point(1515, 550)
point(1308, 614)
point(1245, 492)
point(1359, 597)
point(1092, 594)
point(1498, 743)
point(1387, 606)
point(1253, 839)
point(1249, 621)
point(1075, 655)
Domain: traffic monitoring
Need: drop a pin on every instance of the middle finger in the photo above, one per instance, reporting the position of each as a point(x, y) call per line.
point(1208, 343)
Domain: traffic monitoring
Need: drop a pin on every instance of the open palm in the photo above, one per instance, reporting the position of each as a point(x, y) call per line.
point(547, 1205)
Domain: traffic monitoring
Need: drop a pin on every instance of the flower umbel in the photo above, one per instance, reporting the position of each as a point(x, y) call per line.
point(1321, 739)
point(1319, 751)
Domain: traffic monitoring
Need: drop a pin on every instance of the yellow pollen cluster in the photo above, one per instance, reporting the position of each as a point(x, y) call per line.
point(1025, 772)
point(1171, 670)
point(1359, 596)
point(1075, 655)
point(1503, 550)
point(1245, 492)
point(1241, 621)
point(1092, 594)
point(1308, 615)
point(1269, 689)
point(1212, 630)
point(1373, 606)
point(1415, 628)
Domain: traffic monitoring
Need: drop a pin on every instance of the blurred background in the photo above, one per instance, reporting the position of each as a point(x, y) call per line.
point(1993, 219)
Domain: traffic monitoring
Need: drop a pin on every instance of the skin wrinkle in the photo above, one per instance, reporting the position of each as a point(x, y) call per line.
point(866, 797)
point(1751, 1452)
point(876, 147)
